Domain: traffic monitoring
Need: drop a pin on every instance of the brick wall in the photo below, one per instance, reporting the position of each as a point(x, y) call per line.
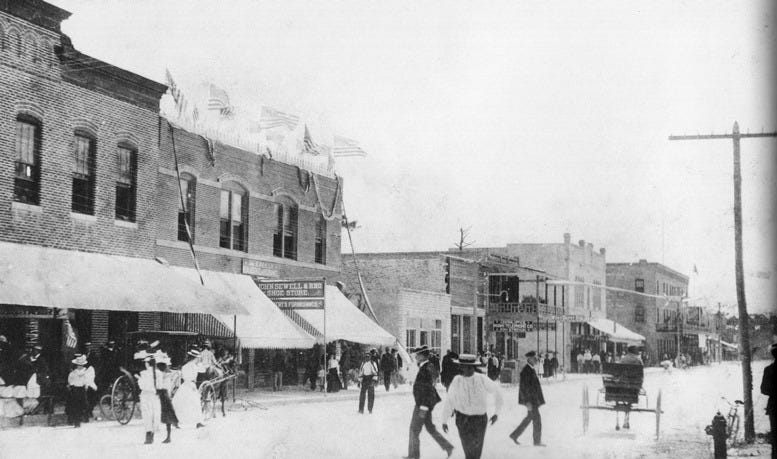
point(32, 85)
point(266, 182)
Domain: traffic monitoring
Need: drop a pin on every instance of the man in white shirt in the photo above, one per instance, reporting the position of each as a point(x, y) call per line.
point(467, 397)
point(368, 377)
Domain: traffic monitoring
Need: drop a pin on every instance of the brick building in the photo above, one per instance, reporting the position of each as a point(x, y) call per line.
point(78, 158)
point(661, 317)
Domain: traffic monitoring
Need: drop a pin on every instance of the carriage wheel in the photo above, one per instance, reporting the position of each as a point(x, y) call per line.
point(123, 399)
point(105, 407)
point(207, 400)
point(586, 410)
point(658, 414)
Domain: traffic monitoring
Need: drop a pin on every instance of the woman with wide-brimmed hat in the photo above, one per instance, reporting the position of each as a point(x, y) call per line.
point(150, 408)
point(78, 381)
point(164, 389)
point(186, 401)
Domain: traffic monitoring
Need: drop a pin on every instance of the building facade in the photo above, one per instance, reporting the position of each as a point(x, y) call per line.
point(656, 310)
point(78, 160)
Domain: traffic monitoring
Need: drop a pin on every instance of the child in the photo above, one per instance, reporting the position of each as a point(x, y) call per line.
point(164, 390)
point(321, 378)
point(78, 381)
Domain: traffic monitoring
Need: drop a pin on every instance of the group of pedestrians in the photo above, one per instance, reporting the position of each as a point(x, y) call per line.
point(468, 390)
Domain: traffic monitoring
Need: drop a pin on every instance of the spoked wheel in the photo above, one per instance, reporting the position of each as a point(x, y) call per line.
point(658, 415)
point(105, 407)
point(208, 400)
point(123, 399)
point(586, 410)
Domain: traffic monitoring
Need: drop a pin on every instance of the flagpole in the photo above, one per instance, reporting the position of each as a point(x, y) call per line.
point(326, 362)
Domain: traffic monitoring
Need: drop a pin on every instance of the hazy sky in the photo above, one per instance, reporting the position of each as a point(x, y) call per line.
point(522, 120)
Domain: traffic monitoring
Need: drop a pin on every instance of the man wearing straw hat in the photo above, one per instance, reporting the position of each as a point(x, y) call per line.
point(467, 398)
point(426, 398)
point(530, 394)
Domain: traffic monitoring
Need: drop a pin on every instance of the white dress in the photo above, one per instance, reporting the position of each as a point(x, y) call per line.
point(186, 401)
point(150, 408)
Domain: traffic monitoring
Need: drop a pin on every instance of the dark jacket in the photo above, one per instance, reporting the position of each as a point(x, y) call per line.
point(769, 388)
point(423, 388)
point(530, 390)
point(387, 363)
point(449, 369)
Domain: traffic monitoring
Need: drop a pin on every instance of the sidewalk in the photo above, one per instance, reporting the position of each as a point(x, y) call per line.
point(263, 398)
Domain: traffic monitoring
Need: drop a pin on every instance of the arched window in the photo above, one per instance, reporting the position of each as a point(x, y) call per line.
point(84, 153)
point(186, 204)
point(320, 241)
point(28, 147)
point(285, 237)
point(126, 181)
point(233, 216)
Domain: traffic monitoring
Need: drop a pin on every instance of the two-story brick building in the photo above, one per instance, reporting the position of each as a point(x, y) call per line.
point(78, 184)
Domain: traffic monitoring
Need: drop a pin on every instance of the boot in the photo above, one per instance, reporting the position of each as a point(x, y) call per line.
point(149, 438)
point(167, 440)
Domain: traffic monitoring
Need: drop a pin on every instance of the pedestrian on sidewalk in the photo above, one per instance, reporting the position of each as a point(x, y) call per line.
point(388, 366)
point(449, 368)
point(165, 385)
point(530, 395)
point(769, 388)
point(597, 361)
point(579, 361)
point(149, 381)
point(397, 367)
point(332, 378)
point(587, 361)
point(426, 397)
point(368, 377)
point(278, 366)
point(554, 364)
point(186, 401)
point(78, 381)
point(467, 398)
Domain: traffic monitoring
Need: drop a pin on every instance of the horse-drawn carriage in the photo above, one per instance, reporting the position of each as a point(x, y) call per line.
point(622, 392)
point(122, 400)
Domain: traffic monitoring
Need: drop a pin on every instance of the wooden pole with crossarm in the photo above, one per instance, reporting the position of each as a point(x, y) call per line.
point(744, 319)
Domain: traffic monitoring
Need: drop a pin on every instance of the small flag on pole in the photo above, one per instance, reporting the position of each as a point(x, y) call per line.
point(344, 147)
point(174, 90)
point(308, 146)
point(218, 100)
point(695, 271)
point(271, 118)
point(70, 336)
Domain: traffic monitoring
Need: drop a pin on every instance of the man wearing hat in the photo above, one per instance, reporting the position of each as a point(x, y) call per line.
point(467, 398)
point(368, 377)
point(530, 395)
point(632, 357)
point(769, 388)
point(426, 398)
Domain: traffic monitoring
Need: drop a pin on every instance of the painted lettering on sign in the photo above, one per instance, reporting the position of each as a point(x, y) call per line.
point(295, 294)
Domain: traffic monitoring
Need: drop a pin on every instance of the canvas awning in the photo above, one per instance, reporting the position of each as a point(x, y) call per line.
point(617, 332)
point(345, 321)
point(265, 326)
point(53, 278)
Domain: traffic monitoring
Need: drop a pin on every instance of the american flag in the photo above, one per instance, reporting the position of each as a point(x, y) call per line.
point(346, 147)
point(308, 146)
point(176, 93)
point(271, 118)
point(70, 336)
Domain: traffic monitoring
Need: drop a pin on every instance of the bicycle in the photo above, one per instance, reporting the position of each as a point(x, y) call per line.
point(733, 421)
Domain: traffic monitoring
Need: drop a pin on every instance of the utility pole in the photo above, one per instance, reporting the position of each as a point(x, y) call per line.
point(744, 319)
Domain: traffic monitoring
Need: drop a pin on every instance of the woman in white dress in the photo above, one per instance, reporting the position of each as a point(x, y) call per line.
point(186, 401)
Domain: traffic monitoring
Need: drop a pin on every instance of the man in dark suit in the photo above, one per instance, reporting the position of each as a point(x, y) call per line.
point(426, 398)
point(530, 394)
point(769, 388)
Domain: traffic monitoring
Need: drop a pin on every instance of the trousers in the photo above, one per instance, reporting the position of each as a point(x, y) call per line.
point(368, 390)
point(472, 432)
point(416, 424)
point(534, 417)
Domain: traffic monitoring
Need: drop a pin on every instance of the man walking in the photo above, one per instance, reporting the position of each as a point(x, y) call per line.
point(278, 365)
point(769, 388)
point(467, 397)
point(530, 395)
point(387, 366)
point(449, 368)
point(368, 376)
point(426, 398)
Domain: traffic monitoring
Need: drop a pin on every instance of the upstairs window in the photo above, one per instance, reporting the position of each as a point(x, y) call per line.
point(639, 285)
point(27, 175)
point(320, 242)
point(285, 237)
point(126, 183)
point(233, 215)
point(84, 153)
point(186, 207)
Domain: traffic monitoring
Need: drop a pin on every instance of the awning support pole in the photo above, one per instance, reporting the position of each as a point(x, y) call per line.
point(235, 356)
point(326, 362)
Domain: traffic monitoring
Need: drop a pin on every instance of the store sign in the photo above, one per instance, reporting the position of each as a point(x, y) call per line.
point(259, 268)
point(294, 294)
point(513, 326)
point(22, 312)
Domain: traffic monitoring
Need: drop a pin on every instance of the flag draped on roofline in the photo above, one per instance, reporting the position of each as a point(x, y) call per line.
point(270, 118)
point(308, 146)
point(344, 147)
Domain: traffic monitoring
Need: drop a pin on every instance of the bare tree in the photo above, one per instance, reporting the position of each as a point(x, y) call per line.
point(463, 243)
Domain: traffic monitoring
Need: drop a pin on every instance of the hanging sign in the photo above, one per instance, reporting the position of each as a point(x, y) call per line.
point(295, 294)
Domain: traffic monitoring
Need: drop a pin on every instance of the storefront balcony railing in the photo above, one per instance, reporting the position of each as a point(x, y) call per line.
point(527, 308)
